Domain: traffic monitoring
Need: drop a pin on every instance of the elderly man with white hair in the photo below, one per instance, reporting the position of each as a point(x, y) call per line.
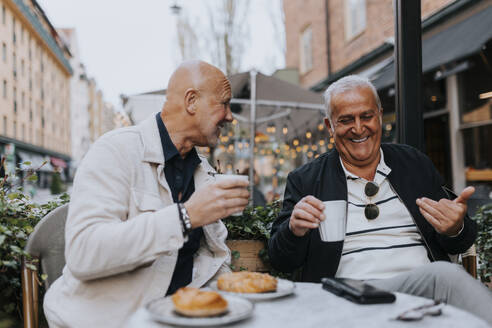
point(402, 223)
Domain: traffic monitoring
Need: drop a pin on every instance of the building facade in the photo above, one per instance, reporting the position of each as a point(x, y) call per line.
point(35, 87)
point(329, 39)
point(79, 100)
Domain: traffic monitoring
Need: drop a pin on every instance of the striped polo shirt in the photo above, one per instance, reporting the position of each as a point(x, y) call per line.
point(386, 246)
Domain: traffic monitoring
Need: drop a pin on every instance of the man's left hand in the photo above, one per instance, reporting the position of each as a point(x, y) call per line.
point(446, 216)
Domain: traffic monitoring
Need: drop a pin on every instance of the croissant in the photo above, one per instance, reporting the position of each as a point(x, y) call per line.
point(193, 302)
point(247, 282)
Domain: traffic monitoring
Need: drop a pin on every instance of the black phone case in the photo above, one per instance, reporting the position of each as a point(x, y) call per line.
point(357, 291)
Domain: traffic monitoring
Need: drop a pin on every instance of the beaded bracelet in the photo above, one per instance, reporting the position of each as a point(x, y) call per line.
point(185, 219)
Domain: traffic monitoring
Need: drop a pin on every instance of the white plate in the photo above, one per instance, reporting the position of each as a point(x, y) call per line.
point(162, 310)
point(284, 287)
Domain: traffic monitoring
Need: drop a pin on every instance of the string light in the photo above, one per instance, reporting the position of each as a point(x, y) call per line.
point(308, 134)
point(310, 154)
point(240, 145)
point(321, 126)
point(332, 140)
point(314, 147)
point(321, 142)
point(298, 149)
point(305, 148)
point(234, 121)
point(281, 161)
point(286, 147)
point(295, 142)
point(285, 130)
point(330, 146)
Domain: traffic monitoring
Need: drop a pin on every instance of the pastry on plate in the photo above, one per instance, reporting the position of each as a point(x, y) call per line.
point(247, 282)
point(193, 302)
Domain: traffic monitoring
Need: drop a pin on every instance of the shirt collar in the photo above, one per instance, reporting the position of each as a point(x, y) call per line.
point(382, 170)
point(168, 148)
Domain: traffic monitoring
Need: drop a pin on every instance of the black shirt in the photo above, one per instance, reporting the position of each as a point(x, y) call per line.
point(179, 175)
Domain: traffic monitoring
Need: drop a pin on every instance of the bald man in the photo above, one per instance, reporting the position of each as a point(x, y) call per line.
point(144, 216)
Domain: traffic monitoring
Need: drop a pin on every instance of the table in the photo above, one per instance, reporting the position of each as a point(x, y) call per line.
point(311, 306)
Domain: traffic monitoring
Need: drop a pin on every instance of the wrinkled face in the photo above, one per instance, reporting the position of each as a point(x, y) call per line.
point(356, 126)
point(214, 110)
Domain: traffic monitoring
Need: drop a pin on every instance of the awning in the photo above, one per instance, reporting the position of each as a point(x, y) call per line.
point(454, 43)
point(58, 162)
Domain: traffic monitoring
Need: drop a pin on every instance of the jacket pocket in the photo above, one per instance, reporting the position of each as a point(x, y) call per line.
point(146, 201)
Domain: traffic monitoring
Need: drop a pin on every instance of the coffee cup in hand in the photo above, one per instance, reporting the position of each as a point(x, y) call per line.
point(228, 177)
point(333, 227)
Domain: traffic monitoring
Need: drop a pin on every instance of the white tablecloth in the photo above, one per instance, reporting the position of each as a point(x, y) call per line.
point(311, 306)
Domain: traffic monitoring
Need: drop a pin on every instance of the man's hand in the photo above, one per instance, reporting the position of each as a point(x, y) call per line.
point(216, 201)
point(446, 216)
point(307, 214)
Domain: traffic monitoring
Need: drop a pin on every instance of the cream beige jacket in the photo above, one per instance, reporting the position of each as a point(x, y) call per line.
point(123, 233)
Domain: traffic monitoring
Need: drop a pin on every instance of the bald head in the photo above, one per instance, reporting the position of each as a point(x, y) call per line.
point(194, 74)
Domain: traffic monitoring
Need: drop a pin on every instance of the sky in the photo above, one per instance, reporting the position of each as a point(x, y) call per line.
point(130, 46)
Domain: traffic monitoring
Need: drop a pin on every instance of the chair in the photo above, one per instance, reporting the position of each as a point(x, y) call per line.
point(469, 261)
point(47, 244)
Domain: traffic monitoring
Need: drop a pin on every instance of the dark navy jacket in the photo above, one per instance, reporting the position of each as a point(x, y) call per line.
point(412, 176)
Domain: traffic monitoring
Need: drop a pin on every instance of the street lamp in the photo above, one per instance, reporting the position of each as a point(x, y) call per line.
point(175, 8)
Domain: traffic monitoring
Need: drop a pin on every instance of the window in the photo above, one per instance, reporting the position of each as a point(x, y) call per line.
point(5, 125)
point(4, 89)
point(476, 111)
point(4, 52)
point(4, 14)
point(13, 30)
point(15, 129)
point(15, 100)
point(355, 18)
point(22, 100)
point(22, 67)
point(306, 50)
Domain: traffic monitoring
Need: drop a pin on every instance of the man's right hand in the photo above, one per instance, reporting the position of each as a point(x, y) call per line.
point(216, 201)
point(307, 214)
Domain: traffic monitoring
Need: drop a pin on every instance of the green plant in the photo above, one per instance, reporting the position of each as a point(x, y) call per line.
point(483, 217)
point(56, 186)
point(254, 224)
point(18, 216)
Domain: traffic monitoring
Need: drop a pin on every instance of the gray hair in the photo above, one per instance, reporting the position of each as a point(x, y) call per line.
point(345, 84)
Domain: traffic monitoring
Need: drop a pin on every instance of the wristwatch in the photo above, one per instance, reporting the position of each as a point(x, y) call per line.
point(185, 219)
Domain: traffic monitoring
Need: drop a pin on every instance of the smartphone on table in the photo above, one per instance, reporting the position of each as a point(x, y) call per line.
point(357, 291)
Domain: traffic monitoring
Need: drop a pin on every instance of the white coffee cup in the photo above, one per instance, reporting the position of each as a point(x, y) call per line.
point(334, 225)
point(225, 177)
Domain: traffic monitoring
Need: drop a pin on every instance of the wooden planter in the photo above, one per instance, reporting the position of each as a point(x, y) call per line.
point(248, 255)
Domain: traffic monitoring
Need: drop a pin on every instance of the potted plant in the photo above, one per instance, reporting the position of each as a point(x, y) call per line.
point(483, 217)
point(248, 237)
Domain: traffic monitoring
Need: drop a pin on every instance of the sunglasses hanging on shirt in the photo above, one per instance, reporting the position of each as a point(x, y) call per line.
point(371, 210)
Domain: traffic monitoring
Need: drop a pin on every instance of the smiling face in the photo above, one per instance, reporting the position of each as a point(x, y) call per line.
point(356, 126)
point(213, 110)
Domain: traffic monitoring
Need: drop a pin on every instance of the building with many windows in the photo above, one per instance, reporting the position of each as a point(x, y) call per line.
point(35, 88)
point(329, 39)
